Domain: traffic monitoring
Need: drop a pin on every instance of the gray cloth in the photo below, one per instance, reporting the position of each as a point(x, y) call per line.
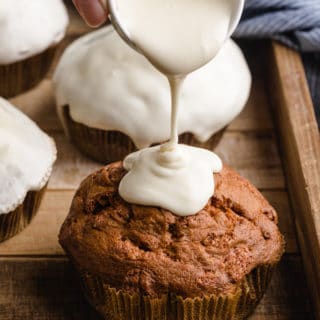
point(295, 23)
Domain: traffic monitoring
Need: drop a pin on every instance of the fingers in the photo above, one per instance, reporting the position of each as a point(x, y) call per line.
point(94, 12)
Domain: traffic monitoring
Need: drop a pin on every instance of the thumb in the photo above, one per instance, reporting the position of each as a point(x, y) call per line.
point(94, 12)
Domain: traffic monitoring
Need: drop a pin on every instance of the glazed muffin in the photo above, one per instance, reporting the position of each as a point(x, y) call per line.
point(29, 33)
point(111, 100)
point(139, 262)
point(27, 156)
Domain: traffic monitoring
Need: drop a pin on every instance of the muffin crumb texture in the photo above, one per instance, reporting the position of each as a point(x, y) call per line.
point(151, 251)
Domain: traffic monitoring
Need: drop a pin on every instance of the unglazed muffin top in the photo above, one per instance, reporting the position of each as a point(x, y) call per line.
point(152, 251)
point(28, 27)
point(26, 157)
point(109, 86)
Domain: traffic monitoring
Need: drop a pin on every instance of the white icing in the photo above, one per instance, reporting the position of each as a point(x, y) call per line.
point(26, 157)
point(181, 36)
point(109, 86)
point(180, 180)
point(172, 176)
point(28, 27)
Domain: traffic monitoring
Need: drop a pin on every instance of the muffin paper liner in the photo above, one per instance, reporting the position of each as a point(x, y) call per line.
point(110, 146)
point(115, 304)
point(23, 75)
point(15, 221)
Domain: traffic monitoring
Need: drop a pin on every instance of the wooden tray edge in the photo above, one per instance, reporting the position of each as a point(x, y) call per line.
point(300, 148)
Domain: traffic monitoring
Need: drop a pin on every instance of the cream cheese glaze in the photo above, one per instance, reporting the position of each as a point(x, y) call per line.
point(28, 27)
point(179, 180)
point(26, 157)
point(109, 86)
point(177, 37)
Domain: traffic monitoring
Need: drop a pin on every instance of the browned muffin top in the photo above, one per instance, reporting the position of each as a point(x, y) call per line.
point(152, 251)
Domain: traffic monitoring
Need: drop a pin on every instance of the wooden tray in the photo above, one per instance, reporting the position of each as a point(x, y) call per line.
point(36, 279)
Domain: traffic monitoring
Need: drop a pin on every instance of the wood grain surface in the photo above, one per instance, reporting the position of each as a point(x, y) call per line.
point(47, 289)
point(37, 281)
point(300, 141)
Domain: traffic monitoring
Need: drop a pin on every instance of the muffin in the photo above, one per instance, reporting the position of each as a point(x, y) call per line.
point(138, 262)
point(27, 156)
point(111, 100)
point(29, 33)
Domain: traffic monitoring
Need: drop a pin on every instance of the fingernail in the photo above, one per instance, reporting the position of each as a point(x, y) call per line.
point(93, 12)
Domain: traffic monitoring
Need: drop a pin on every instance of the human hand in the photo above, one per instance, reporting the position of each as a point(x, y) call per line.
point(94, 12)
